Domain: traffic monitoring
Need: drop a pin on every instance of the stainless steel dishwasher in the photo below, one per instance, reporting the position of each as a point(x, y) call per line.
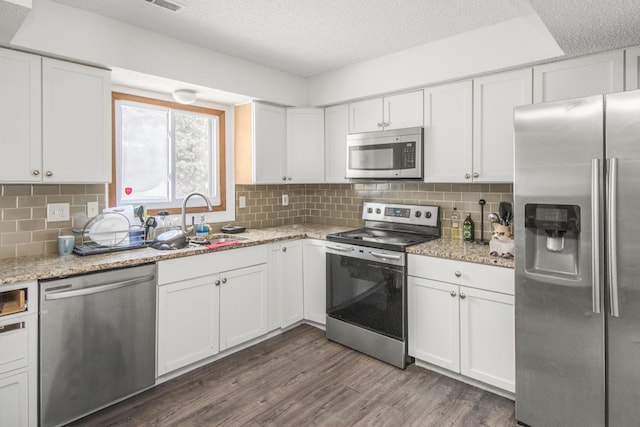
point(97, 341)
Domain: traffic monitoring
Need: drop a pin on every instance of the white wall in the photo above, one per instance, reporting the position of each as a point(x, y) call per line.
point(507, 44)
point(89, 38)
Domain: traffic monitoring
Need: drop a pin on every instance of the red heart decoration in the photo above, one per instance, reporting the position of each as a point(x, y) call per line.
point(128, 190)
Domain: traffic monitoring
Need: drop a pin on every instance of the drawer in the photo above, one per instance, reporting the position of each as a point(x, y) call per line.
point(178, 269)
point(17, 340)
point(480, 276)
point(18, 299)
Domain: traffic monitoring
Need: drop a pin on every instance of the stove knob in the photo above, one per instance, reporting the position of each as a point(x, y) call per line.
point(369, 210)
point(378, 211)
point(418, 214)
point(427, 214)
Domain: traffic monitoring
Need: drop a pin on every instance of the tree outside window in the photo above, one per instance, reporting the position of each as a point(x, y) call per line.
point(164, 151)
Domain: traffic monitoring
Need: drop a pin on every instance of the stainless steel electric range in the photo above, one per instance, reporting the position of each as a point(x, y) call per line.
point(367, 279)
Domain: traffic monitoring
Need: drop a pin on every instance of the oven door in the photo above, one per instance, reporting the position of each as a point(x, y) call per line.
point(368, 290)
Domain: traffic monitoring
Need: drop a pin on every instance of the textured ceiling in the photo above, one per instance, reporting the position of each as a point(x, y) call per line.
point(308, 37)
point(586, 26)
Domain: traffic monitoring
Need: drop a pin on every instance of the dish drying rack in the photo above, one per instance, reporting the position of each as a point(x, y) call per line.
point(92, 239)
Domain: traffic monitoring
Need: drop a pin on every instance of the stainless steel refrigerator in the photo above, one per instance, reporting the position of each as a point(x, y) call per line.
point(577, 228)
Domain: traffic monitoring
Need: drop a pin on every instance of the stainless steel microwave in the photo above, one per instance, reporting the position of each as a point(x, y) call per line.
point(388, 154)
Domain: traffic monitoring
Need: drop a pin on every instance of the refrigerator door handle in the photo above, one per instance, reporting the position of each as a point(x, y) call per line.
point(596, 181)
point(611, 236)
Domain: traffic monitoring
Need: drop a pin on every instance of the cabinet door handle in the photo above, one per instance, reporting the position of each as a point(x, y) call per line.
point(284, 249)
point(35, 172)
point(284, 178)
point(289, 178)
point(463, 295)
point(224, 280)
point(452, 293)
point(380, 124)
point(476, 175)
point(11, 327)
point(217, 283)
point(467, 176)
point(49, 173)
point(458, 273)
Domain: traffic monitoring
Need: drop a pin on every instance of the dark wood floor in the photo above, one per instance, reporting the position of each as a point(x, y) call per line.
point(301, 379)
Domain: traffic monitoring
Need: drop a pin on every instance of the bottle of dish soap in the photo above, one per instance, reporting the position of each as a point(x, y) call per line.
point(202, 230)
point(455, 224)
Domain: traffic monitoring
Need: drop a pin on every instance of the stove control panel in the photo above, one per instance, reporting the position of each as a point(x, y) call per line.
point(404, 214)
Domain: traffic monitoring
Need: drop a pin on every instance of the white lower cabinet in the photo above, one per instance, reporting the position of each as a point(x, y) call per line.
point(188, 322)
point(19, 355)
point(14, 400)
point(487, 337)
point(315, 274)
point(434, 323)
point(243, 305)
point(461, 318)
point(209, 303)
point(285, 275)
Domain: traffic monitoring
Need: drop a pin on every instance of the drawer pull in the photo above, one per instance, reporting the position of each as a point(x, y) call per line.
point(458, 274)
point(452, 293)
point(12, 327)
point(463, 295)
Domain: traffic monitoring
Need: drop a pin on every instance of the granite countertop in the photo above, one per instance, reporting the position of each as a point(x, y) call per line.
point(14, 270)
point(461, 251)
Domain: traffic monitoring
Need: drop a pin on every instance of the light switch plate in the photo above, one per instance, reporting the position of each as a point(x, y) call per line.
point(57, 212)
point(92, 209)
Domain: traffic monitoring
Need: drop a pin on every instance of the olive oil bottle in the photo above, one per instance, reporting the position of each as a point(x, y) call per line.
point(455, 224)
point(467, 229)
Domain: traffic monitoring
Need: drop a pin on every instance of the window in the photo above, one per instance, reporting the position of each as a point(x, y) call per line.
point(164, 150)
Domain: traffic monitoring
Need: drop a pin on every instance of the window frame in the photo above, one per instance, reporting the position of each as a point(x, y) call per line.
point(222, 160)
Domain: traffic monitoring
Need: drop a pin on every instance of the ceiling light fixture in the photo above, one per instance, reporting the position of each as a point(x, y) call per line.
point(185, 96)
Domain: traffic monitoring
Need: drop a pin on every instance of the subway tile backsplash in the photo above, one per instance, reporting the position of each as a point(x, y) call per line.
point(341, 204)
point(24, 229)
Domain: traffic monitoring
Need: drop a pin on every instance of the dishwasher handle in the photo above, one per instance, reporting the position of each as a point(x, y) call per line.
point(96, 289)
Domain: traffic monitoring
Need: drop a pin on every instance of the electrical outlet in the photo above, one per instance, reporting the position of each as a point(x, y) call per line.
point(285, 200)
point(242, 201)
point(57, 212)
point(92, 209)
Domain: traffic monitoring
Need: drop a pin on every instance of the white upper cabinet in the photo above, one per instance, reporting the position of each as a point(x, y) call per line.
point(336, 129)
point(494, 98)
point(305, 145)
point(269, 142)
point(391, 112)
point(366, 116)
point(404, 110)
point(276, 145)
point(574, 78)
point(632, 68)
point(76, 112)
point(20, 117)
point(448, 132)
point(55, 120)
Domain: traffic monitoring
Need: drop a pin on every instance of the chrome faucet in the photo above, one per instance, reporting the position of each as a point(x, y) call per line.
point(184, 208)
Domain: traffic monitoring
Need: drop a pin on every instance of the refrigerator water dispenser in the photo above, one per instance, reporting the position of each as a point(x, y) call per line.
point(551, 238)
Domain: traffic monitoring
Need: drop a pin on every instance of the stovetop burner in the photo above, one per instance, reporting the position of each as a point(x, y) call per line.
point(393, 227)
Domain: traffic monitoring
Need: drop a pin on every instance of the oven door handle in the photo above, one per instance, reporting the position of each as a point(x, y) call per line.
point(338, 248)
point(385, 256)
